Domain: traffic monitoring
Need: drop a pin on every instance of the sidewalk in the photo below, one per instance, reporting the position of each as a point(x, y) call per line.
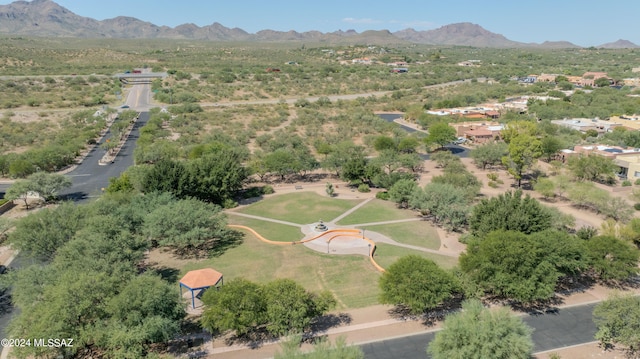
point(374, 323)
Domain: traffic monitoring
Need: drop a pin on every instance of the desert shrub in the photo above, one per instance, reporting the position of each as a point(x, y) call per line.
point(229, 203)
point(637, 206)
point(267, 189)
point(626, 183)
point(383, 196)
point(492, 176)
point(364, 188)
point(637, 182)
point(493, 184)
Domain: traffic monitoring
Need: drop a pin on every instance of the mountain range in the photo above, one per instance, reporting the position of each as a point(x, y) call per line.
point(45, 18)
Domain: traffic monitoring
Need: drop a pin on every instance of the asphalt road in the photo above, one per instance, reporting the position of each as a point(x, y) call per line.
point(555, 329)
point(455, 149)
point(89, 177)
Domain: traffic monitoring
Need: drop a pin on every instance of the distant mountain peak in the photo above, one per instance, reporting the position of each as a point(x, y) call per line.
point(620, 44)
point(48, 19)
point(464, 34)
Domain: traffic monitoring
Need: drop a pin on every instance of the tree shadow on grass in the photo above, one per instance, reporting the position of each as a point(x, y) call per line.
point(212, 248)
point(167, 273)
point(189, 344)
point(230, 239)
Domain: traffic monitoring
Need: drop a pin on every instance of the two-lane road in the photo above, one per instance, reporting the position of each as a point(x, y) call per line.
point(565, 327)
point(89, 178)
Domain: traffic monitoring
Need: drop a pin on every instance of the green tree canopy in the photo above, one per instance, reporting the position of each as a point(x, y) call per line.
point(239, 305)
point(618, 322)
point(509, 211)
point(382, 143)
point(446, 203)
point(523, 151)
point(187, 225)
point(612, 259)
point(281, 306)
point(41, 234)
point(522, 267)
point(441, 134)
point(402, 191)
point(291, 307)
point(416, 283)
point(322, 349)
point(478, 333)
point(48, 184)
point(592, 167)
point(489, 154)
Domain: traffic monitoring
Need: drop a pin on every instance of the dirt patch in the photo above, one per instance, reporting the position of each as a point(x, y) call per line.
point(583, 217)
point(161, 258)
point(590, 350)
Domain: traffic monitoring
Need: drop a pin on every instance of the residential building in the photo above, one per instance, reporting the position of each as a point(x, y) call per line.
point(479, 135)
point(629, 122)
point(477, 131)
point(606, 151)
point(629, 165)
point(585, 124)
point(547, 78)
point(589, 78)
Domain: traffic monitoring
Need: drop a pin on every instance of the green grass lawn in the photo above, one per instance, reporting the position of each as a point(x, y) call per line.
point(418, 233)
point(301, 207)
point(269, 230)
point(387, 254)
point(376, 211)
point(352, 278)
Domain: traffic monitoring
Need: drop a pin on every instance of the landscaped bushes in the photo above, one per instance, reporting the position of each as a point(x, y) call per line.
point(280, 306)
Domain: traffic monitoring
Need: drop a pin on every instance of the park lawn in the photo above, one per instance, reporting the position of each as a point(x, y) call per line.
point(351, 278)
point(376, 211)
point(300, 207)
point(269, 230)
point(416, 233)
point(387, 254)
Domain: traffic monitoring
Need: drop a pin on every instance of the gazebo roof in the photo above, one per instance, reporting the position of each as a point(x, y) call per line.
point(201, 278)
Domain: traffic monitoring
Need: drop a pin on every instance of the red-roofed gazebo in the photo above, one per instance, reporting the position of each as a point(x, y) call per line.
point(199, 280)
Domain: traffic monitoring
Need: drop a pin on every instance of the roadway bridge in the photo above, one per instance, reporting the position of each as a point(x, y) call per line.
point(140, 78)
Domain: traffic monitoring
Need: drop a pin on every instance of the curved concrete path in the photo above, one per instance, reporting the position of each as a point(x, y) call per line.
point(331, 233)
point(340, 239)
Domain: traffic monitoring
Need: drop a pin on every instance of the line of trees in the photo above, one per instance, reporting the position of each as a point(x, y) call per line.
point(92, 284)
point(516, 250)
point(280, 307)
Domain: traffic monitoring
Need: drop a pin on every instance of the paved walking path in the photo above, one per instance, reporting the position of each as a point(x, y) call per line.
point(264, 219)
point(347, 246)
point(353, 209)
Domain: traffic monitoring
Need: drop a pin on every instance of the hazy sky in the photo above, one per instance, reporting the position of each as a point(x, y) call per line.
point(582, 22)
